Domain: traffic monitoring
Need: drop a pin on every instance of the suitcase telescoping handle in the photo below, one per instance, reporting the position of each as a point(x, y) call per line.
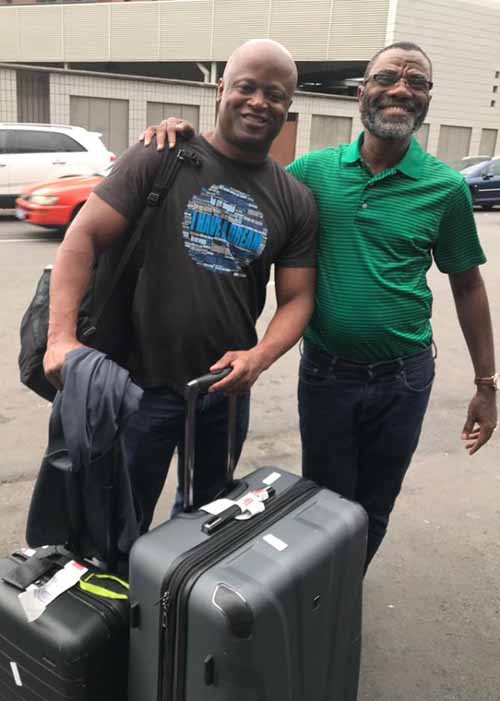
point(194, 389)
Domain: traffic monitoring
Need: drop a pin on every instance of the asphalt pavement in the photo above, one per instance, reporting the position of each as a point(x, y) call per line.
point(431, 627)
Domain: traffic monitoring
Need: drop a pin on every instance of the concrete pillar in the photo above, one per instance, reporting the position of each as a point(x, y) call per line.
point(475, 141)
point(432, 144)
point(204, 70)
point(8, 92)
point(213, 72)
point(303, 133)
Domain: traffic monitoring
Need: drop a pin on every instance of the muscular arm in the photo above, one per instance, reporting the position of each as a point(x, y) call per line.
point(95, 228)
point(295, 300)
point(472, 306)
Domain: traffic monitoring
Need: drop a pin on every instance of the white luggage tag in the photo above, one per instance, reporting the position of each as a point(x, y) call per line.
point(256, 496)
point(36, 599)
point(225, 510)
point(252, 503)
point(218, 506)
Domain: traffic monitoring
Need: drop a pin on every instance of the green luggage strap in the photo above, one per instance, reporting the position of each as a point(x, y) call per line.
point(87, 586)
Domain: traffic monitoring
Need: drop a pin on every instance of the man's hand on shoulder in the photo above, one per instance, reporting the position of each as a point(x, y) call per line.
point(53, 359)
point(167, 131)
point(481, 419)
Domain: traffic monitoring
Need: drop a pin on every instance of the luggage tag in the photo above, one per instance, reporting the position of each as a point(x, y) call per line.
point(35, 599)
point(253, 503)
point(272, 478)
point(218, 506)
point(225, 510)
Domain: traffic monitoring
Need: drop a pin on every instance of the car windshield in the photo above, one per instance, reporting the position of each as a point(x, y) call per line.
point(475, 169)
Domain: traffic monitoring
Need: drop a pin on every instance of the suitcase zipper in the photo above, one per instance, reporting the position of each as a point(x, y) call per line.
point(186, 570)
point(99, 605)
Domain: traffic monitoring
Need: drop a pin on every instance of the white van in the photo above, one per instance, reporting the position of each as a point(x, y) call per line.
point(33, 153)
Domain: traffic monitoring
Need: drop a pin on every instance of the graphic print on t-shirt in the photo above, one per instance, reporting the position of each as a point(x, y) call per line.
point(223, 229)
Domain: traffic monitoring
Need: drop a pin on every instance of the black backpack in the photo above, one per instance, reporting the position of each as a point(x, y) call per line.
point(104, 320)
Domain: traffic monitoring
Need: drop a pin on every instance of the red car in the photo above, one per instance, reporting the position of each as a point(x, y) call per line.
point(55, 204)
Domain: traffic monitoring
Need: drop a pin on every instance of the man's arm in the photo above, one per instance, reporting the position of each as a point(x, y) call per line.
point(295, 300)
point(96, 227)
point(473, 311)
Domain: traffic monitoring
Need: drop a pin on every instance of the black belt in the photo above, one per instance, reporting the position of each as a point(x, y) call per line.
point(328, 362)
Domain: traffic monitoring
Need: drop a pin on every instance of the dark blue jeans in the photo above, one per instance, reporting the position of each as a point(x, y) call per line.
point(158, 428)
point(360, 425)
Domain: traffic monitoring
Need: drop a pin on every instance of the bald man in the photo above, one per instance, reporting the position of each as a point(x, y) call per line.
point(206, 267)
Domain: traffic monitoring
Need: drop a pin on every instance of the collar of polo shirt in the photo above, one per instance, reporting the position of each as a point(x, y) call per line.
point(410, 165)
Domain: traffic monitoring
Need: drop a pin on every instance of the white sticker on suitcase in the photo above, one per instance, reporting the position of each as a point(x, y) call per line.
point(36, 599)
point(15, 674)
point(270, 479)
point(218, 506)
point(276, 543)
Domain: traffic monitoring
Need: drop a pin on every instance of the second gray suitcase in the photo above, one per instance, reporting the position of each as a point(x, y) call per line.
point(263, 610)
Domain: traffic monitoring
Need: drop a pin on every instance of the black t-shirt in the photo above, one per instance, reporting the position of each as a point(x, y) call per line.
point(208, 255)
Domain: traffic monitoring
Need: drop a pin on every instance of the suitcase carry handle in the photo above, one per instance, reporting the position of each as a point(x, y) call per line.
point(201, 385)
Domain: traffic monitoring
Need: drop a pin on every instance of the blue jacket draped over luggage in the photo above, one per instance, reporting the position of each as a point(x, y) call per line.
point(83, 496)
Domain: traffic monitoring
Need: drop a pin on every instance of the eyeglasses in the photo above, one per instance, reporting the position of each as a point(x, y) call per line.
point(415, 82)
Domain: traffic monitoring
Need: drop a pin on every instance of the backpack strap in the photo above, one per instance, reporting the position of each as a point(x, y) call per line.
point(170, 165)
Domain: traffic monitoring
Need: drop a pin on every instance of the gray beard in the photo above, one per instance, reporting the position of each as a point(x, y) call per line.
point(374, 121)
point(388, 129)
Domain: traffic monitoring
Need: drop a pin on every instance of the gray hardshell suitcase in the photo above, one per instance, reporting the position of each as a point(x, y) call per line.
point(266, 609)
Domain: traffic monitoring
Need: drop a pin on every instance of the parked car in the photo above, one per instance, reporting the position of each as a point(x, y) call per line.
point(484, 182)
point(34, 153)
point(55, 204)
point(472, 161)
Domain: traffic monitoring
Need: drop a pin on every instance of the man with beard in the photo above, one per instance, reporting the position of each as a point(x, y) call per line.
point(387, 209)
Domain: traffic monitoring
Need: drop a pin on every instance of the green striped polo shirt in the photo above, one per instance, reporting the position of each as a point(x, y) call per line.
point(378, 235)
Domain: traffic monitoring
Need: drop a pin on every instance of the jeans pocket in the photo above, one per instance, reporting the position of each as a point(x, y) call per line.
point(312, 373)
point(420, 377)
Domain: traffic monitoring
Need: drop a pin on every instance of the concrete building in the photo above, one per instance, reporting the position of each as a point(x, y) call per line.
point(117, 66)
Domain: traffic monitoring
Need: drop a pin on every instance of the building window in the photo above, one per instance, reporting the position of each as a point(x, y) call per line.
point(497, 74)
point(492, 103)
point(495, 88)
point(156, 111)
point(329, 130)
point(488, 142)
point(453, 144)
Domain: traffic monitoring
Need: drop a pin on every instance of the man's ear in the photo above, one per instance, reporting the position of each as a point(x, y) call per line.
point(220, 89)
point(287, 111)
point(360, 91)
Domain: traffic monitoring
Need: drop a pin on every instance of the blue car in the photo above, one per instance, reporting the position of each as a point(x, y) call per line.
point(484, 182)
